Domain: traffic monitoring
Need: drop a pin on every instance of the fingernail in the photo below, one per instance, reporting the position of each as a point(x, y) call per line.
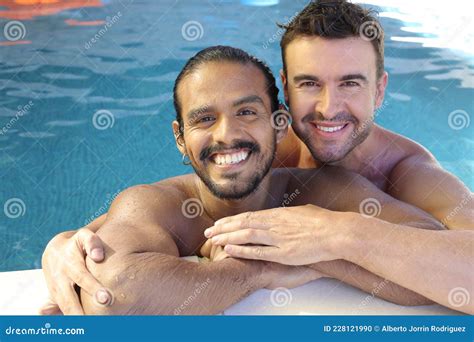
point(208, 232)
point(97, 253)
point(228, 249)
point(216, 240)
point(103, 297)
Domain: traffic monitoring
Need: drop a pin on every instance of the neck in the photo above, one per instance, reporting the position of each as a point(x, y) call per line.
point(218, 208)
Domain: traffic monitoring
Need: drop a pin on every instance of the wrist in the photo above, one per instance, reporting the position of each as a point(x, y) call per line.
point(348, 239)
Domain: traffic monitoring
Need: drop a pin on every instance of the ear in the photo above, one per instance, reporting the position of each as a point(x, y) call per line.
point(284, 81)
point(380, 90)
point(178, 137)
point(281, 133)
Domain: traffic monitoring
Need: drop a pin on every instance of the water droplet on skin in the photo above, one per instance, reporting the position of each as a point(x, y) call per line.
point(131, 276)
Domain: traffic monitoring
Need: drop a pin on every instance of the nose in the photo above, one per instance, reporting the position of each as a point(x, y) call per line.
point(328, 103)
point(225, 131)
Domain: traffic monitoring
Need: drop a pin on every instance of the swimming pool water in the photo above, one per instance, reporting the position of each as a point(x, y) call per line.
point(86, 101)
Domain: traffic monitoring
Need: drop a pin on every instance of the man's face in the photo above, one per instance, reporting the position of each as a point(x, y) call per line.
point(332, 90)
point(228, 137)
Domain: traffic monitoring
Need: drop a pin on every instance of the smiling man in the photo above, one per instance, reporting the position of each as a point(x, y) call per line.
point(225, 102)
point(334, 81)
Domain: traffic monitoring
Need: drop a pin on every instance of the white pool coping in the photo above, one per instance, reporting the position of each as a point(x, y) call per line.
point(23, 292)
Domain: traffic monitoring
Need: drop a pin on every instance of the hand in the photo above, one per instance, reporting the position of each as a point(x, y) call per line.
point(293, 236)
point(213, 252)
point(64, 267)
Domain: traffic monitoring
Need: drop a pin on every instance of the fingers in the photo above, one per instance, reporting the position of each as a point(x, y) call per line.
point(91, 244)
point(50, 308)
point(247, 222)
point(68, 299)
point(268, 253)
point(80, 275)
point(242, 237)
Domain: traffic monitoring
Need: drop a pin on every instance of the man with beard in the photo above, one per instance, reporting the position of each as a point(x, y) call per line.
point(224, 100)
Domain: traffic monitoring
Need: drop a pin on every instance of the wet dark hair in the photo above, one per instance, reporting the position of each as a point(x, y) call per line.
point(222, 53)
point(334, 20)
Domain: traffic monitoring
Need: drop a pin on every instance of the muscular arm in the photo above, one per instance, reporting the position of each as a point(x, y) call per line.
point(143, 271)
point(431, 261)
point(420, 181)
point(348, 193)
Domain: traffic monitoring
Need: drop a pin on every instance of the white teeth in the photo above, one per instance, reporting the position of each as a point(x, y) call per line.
point(330, 129)
point(230, 158)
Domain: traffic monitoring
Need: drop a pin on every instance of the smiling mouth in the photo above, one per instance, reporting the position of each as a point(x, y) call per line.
point(230, 158)
point(329, 129)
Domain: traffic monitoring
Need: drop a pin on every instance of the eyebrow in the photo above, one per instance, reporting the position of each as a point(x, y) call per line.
point(204, 109)
point(248, 99)
point(354, 77)
point(308, 77)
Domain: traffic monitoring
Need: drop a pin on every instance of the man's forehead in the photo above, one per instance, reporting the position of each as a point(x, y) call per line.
point(342, 55)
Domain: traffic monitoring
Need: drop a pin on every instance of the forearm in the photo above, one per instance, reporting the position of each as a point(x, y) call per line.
point(160, 284)
point(369, 282)
point(431, 263)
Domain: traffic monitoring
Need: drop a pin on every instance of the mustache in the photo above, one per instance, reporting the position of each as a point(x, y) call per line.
point(341, 116)
point(236, 144)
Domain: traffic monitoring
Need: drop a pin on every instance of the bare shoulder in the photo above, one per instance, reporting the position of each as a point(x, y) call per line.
point(405, 147)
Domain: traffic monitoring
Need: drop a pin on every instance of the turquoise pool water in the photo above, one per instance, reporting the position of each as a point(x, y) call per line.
point(86, 101)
